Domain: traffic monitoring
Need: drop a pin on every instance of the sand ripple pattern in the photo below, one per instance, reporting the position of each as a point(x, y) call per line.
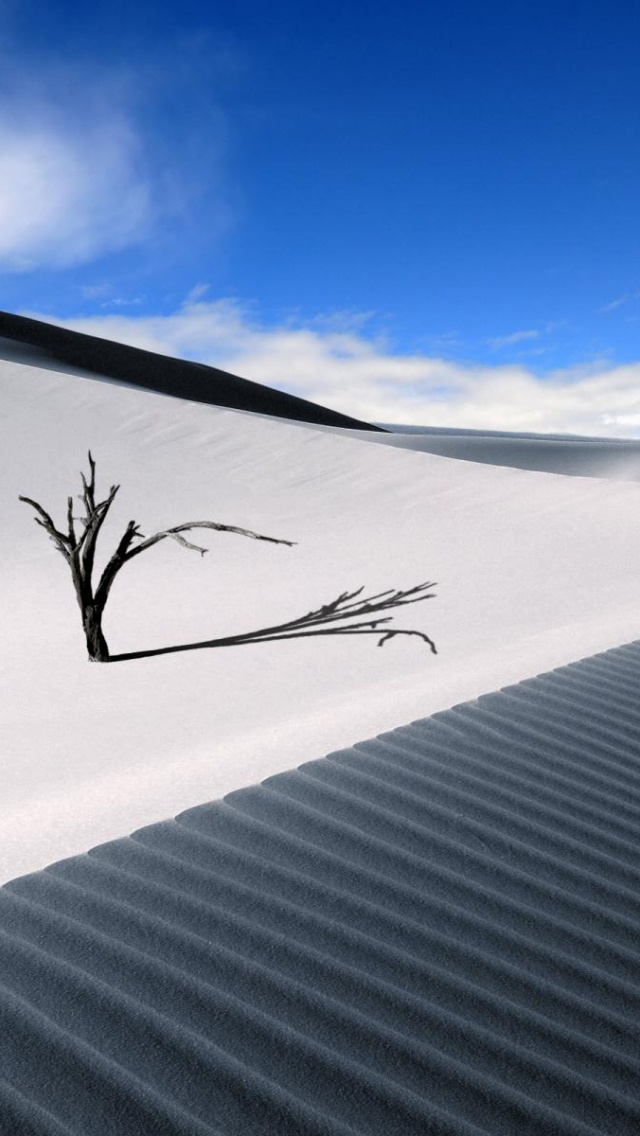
point(434, 933)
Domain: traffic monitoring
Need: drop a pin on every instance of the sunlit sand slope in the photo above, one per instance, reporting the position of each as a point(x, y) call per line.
point(532, 570)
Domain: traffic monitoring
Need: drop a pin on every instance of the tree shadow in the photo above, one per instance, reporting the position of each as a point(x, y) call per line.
point(325, 620)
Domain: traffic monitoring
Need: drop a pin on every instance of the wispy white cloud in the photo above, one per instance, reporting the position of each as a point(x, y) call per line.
point(355, 372)
point(122, 302)
point(97, 157)
point(515, 337)
point(619, 302)
point(611, 307)
point(71, 188)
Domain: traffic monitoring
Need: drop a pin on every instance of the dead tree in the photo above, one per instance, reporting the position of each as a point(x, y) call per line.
point(349, 614)
point(78, 546)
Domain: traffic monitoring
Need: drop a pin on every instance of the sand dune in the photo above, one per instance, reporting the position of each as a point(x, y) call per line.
point(51, 347)
point(613, 458)
point(430, 930)
point(533, 571)
point(433, 932)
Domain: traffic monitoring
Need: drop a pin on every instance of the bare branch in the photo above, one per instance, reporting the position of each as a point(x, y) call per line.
point(60, 547)
point(88, 489)
point(92, 526)
point(187, 543)
point(115, 564)
point(172, 532)
point(48, 522)
point(61, 541)
point(71, 529)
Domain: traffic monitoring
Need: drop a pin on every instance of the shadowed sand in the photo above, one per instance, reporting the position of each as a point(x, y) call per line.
point(614, 458)
point(434, 931)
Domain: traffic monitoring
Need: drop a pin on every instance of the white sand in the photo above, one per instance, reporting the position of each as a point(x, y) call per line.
point(534, 570)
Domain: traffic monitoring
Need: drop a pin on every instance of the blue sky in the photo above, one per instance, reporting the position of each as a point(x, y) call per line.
point(293, 187)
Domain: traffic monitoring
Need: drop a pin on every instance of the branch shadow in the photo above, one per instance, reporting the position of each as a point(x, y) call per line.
point(348, 606)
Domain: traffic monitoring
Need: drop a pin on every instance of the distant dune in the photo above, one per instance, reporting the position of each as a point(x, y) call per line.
point(44, 343)
point(616, 458)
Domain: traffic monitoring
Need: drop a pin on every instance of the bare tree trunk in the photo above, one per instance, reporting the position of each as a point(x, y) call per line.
point(96, 642)
point(78, 549)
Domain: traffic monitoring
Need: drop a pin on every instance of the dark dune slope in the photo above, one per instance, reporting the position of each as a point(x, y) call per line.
point(176, 377)
point(434, 933)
